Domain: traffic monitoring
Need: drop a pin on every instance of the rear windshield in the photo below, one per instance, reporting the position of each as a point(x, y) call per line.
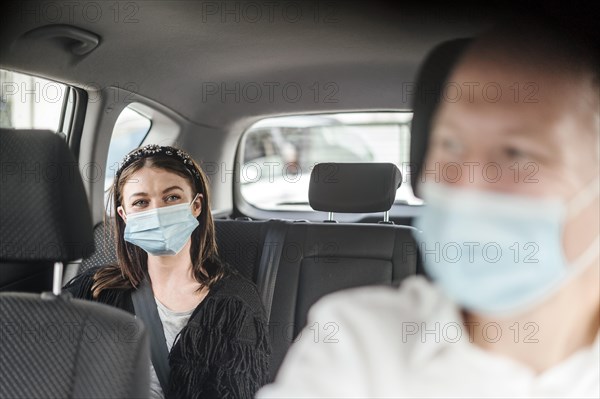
point(279, 153)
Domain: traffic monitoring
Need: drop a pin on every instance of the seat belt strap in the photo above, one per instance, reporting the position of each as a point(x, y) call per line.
point(145, 308)
point(269, 262)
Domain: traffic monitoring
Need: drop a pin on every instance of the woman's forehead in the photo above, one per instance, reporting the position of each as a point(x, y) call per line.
point(154, 178)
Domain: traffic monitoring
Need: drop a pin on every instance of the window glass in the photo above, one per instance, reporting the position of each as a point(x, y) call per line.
point(129, 132)
point(279, 153)
point(29, 102)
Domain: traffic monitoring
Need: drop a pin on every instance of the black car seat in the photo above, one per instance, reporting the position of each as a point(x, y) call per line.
point(54, 345)
point(321, 258)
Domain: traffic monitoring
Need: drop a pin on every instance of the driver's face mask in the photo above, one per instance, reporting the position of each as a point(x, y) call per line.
point(497, 253)
point(161, 231)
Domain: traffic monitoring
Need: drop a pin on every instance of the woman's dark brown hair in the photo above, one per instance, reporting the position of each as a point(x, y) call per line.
point(133, 261)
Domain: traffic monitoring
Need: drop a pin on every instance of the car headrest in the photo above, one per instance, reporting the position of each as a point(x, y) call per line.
point(44, 213)
point(429, 87)
point(353, 187)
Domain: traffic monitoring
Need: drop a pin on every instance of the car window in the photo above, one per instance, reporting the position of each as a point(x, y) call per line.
point(29, 102)
point(129, 132)
point(278, 154)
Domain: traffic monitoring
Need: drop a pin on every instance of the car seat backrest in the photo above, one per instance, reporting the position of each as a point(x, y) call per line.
point(240, 244)
point(320, 258)
point(61, 348)
point(54, 345)
point(106, 250)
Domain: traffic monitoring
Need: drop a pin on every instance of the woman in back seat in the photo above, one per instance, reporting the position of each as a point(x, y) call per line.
point(213, 320)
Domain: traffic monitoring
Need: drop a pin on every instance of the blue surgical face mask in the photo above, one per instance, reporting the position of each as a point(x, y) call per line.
point(498, 254)
point(161, 231)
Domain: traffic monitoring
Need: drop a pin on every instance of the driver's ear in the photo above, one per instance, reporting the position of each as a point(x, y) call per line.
point(122, 213)
point(197, 205)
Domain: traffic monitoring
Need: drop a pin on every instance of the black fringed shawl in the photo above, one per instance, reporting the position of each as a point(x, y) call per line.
point(223, 351)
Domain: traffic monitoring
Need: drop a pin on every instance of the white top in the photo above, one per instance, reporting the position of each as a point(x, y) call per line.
point(172, 323)
point(405, 343)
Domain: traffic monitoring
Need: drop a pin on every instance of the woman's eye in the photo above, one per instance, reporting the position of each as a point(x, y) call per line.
point(172, 198)
point(140, 203)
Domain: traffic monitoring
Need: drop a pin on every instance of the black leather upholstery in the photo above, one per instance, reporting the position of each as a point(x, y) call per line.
point(321, 258)
point(429, 87)
point(353, 187)
point(56, 346)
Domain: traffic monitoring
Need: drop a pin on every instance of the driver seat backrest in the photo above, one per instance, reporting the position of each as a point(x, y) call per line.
point(54, 345)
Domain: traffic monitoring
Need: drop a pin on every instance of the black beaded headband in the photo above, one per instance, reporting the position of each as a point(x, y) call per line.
point(155, 149)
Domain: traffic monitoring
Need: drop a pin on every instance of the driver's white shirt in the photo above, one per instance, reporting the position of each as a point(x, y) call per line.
point(405, 343)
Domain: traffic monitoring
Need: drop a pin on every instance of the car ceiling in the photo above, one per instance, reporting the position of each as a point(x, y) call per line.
point(173, 51)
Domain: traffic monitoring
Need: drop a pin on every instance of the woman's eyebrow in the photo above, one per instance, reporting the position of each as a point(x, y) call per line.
point(172, 188)
point(138, 194)
point(164, 191)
